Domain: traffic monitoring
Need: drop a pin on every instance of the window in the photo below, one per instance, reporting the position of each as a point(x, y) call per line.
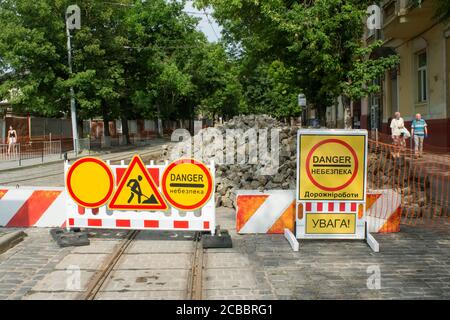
point(422, 88)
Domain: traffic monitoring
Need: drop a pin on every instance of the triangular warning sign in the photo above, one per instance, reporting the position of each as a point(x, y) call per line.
point(137, 190)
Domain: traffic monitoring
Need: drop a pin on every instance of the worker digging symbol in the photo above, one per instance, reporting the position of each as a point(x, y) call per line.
point(135, 188)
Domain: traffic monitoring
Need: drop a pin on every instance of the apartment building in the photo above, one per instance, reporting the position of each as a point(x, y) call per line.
point(420, 83)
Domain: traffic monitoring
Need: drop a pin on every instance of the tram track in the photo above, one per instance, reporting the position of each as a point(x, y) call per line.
point(102, 275)
point(195, 279)
point(194, 283)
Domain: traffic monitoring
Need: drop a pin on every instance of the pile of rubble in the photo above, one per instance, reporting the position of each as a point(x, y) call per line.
point(384, 171)
point(255, 171)
point(398, 174)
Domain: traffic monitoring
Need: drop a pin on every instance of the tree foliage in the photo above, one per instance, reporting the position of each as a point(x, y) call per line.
point(316, 45)
point(131, 59)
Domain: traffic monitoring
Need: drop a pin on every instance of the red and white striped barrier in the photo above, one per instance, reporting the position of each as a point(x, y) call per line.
point(383, 211)
point(172, 219)
point(265, 212)
point(331, 207)
point(330, 214)
point(32, 207)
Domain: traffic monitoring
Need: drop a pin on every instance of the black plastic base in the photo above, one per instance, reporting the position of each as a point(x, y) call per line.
point(220, 240)
point(72, 238)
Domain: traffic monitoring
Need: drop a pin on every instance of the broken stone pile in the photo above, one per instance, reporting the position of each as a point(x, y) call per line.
point(256, 171)
point(384, 171)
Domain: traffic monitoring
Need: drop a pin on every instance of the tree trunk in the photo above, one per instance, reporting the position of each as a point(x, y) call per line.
point(80, 128)
point(106, 126)
point(125, 129)
point(106, 142)
point(336, 108)
point(348, 123)
point(159, 129)
point(105, 116)
point(321, 115)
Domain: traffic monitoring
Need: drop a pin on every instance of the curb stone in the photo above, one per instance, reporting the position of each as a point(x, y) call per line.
point(10, 240)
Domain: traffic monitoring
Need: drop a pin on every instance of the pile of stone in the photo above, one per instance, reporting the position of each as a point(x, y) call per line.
point(384, 171)
point(252, 173)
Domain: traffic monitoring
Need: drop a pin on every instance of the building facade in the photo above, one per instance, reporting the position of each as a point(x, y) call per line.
point(420, 83)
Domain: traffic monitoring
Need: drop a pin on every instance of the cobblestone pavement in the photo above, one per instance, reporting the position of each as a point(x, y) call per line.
point(22, 266)
point(413, 264)
point(152, 268)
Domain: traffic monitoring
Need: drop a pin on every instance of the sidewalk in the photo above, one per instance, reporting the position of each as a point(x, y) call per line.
point(24, 163)
point(6, 165)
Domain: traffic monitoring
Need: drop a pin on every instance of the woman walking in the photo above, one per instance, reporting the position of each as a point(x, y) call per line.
point(12, 140)
point(397, 126)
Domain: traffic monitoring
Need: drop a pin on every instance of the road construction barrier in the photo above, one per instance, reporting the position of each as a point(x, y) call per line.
point(32, 207)
point(265, 212)
point(273, 211)
point(422, 183)
point(331, 185)
point(101, 195)
point(383, 211)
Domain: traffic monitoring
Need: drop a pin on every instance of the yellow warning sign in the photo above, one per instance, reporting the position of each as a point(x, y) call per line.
point(187, 184)
point(327, 223)
point(90, 182)
point(331, 166)
point(137, 190)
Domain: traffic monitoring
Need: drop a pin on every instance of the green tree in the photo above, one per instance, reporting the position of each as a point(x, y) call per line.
point(216, 78)
point(319, 42)
point(131, 58)
point(32, 50)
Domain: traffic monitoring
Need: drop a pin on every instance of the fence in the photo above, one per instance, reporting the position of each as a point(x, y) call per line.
point(32, 150)
point(119, 140)
point(376, 136)
point(422, 183)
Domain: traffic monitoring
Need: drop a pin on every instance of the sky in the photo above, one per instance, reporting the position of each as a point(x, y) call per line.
point(210, 28)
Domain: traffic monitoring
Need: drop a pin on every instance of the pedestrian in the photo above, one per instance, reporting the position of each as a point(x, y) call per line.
point(12, 139)
point(419, 131)
point(397, 126)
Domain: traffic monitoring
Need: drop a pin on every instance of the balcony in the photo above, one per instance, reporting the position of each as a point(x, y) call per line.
point(401, 20)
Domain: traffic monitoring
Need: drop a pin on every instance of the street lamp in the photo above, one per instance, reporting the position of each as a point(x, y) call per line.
point(73, 21)
point(302, 104)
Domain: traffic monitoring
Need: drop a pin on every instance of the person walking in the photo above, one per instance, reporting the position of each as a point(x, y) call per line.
point(12, 139)
point(419, 131)
point(397, 126)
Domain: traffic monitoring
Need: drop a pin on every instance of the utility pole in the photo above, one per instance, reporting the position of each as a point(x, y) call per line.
point(73, 21)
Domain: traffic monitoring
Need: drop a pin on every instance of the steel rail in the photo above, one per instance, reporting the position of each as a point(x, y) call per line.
point(99, 278)
point(195, 279)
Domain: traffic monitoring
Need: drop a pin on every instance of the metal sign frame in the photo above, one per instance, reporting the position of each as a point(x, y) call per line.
point(203, 219)
point(322, 206)
point(331, 132)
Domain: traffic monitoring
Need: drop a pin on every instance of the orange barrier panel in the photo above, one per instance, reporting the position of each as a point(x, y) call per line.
point(423, 183)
